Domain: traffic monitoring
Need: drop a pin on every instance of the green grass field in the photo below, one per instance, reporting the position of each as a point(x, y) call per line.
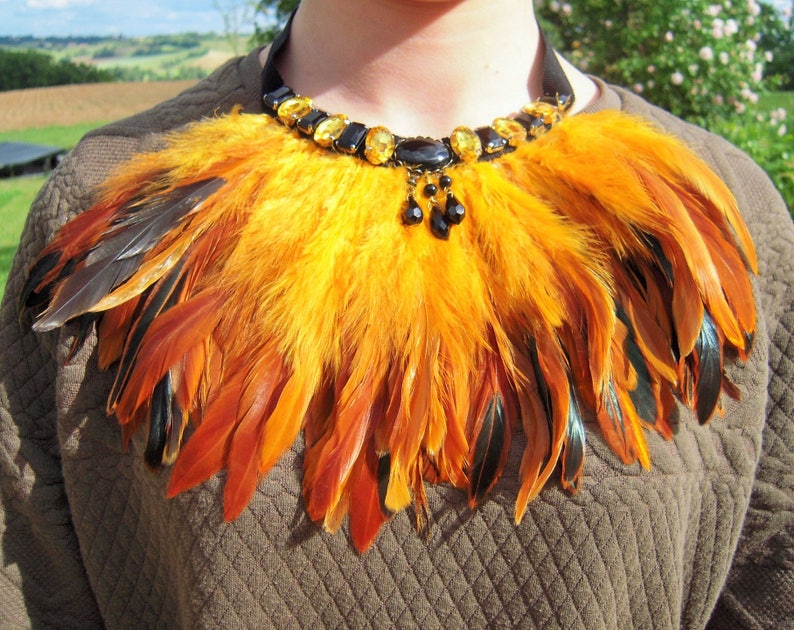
point(57, 136)
point(773, 100)
point(17, 193)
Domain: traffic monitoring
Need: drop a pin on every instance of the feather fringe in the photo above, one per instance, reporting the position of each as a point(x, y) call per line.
point(253, 285)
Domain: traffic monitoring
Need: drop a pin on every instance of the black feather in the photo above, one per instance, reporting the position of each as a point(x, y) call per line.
point(662, 262)
point(384, 472)
point(614, 411)
point(488, 449)
point(30, 297)
point(708, 377)
point(540, 381)
point(163, 296)
point(119, 254)
point(573, 451)
point(642, 397)
point(160, 418)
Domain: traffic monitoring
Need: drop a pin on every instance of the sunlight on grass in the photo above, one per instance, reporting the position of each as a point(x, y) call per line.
point(16, 195)
point(63, 136)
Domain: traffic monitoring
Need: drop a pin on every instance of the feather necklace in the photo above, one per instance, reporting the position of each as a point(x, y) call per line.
point(408, 303)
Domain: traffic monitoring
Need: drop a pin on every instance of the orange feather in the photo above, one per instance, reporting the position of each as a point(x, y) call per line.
point(575, 287)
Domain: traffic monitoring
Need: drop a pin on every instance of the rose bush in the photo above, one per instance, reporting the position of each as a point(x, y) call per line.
point(699, 59)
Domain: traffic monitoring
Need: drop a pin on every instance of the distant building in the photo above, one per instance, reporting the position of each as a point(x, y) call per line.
point(23, 158)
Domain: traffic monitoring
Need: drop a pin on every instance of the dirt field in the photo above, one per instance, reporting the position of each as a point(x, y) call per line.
point(72, 104)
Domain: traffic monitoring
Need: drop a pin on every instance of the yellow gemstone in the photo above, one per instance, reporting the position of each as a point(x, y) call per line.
point(545, 111)
point(293, 108)
point(379, 145)
point(330, 129)
point(511, 130)
point(466, 144)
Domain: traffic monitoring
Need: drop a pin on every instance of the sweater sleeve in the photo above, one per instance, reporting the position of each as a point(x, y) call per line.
point(42, 578)
point(759, 592)
point(43, 581)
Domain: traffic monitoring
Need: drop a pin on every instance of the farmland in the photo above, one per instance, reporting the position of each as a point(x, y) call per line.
point(87, 103)
point(156, 58)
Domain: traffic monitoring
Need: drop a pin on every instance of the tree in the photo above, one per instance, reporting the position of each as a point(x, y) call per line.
point(777, 37)
point(237, 15)
point(699, 59)
point(274, 14)
point(20, 70)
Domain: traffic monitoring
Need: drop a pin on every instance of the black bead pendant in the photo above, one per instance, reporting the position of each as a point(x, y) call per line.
point(454, 211)
point(412, 215)
point(438, 223)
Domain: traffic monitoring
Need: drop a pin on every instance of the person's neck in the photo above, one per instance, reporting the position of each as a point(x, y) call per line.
point(420, 68)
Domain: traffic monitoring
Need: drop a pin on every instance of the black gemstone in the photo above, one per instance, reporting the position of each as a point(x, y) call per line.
point(309, 122)
point(534, 126)
point(438, 223)
point(430, 190)
point(424, 153)
point(412, 215)
point(492, 142)
point(275, 98)
point(454, 210)
point(527, 120)
point(352, 138)
point(538, 127)
point(445, 181)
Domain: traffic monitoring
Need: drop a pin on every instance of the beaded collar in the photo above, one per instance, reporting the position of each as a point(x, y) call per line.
point(426, 159)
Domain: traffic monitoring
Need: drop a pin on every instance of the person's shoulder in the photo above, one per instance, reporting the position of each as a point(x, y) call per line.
point(754, 191)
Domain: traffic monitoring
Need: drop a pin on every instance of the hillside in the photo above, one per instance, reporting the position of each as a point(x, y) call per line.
point(155, 58)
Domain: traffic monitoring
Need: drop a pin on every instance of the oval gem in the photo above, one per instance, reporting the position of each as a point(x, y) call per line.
point(425, 153)
point(511, 130)
point(379, 145)
point(293, 108)
point(466, 144)
point(549, 114)
point(329, 130)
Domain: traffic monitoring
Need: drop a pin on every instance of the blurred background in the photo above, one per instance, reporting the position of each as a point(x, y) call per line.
point(68, 66)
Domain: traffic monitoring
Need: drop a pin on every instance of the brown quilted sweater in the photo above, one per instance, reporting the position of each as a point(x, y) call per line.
point(88, 538)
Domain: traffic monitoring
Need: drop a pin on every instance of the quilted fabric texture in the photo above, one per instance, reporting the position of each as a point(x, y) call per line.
point(89, 540)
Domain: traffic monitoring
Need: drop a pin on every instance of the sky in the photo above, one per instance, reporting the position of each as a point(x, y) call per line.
point(42, 18)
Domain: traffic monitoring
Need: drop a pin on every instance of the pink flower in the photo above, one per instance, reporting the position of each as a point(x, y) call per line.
point(677, 78)
point(713, 10)
point(706, 53)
